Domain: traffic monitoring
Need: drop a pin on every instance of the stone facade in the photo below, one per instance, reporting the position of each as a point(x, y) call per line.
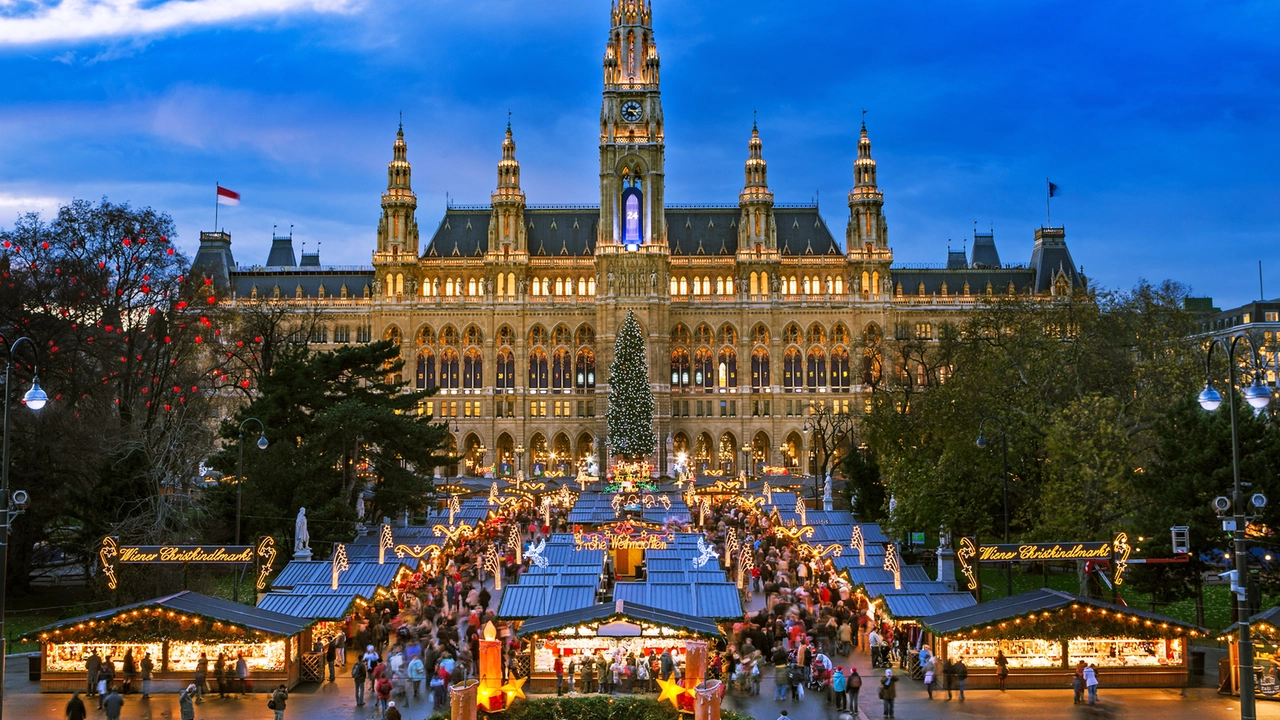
point(753, 311)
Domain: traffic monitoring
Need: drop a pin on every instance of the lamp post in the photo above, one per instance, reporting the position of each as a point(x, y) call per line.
point(812, 456)
point(1004, 466)
point(35, 399)
point(746, 459)
point(519, 458)
point(262, 445)
point(1258, 397)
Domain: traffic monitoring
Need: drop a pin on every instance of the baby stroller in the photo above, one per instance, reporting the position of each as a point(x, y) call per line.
point(819, 676)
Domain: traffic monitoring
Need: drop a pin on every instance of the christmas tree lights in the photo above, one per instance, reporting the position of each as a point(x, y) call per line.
point(630, 398)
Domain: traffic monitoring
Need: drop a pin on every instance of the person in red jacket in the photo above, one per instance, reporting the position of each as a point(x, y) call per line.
point(383, 689)
point(559, 667)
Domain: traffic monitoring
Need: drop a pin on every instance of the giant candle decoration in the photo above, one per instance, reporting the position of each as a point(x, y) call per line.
point(706, 700)
point(462, 700)
point(490, 693)
point(695, 671)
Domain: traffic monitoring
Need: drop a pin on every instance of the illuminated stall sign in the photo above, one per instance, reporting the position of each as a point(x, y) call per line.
point(111, 553)
point(623, 536)
point(971, 553)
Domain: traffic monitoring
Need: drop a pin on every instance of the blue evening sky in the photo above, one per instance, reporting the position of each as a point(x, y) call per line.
point(1158, 120)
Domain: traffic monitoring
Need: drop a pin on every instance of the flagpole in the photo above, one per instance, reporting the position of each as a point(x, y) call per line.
point(1048, 212)
point(215, 206)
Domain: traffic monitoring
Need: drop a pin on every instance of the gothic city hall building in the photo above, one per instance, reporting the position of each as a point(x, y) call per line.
point(754, 311)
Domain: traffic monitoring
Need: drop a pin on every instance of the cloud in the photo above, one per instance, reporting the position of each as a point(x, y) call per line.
point(11, 203)
point(75, 20)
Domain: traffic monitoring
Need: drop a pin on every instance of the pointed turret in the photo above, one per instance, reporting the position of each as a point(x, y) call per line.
point(756, 228)
point(867, 228)
point(398, 228)
point(506, 225)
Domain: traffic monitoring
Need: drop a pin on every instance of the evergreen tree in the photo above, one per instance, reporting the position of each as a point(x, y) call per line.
point(630, 398)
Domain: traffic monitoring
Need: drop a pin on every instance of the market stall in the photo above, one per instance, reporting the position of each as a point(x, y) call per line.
point(175, 630)
point(608, 629)
point(1045, 633)
point(333, 612)
point(1266, 655)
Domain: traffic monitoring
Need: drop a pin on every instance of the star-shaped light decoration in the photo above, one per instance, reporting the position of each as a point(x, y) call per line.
point(671, 692)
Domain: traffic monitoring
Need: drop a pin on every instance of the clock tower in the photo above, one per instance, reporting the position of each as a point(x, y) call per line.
point(631, 132)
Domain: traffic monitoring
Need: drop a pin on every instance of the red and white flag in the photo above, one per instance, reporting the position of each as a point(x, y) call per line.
point(228, 197)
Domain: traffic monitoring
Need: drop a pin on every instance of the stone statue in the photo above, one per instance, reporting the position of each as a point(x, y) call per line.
point(653, 282)
point(773, 284)
point(377, 286)
point(826, 494)
point(302, 540)
point(608, 287)
point(360, 507)
point(522, 285)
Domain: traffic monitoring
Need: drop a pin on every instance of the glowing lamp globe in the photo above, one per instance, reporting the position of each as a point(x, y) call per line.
point(1257, 395)
point(1210, 399)
point(36, 398)
point(262, 442)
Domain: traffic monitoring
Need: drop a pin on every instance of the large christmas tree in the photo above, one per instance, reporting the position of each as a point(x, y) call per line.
point(630, 399)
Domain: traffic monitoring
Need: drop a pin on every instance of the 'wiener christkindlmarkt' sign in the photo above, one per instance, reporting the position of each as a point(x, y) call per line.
point(185, 554)
point(1027, 552)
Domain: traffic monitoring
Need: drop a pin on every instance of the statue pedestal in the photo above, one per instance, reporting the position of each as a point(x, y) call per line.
point(303, 554)
point(947, 567)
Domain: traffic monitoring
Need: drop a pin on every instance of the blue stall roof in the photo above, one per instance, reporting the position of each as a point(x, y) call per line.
point(314, 572)
point(313, 606)
point(526, 601)
point(717, 601)
point(205, 606)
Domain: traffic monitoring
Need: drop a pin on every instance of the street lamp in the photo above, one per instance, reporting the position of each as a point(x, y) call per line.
point(262, 445)
point(1258, 397)
point(35, 399)
point(1004, 465)
point(746, 459)
point(519, 458)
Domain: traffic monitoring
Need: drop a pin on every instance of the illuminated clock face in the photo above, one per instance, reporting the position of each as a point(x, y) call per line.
point(631, 111)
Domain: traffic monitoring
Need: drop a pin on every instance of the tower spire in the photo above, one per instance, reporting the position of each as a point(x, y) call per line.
point(398, 228)
point(756, 226)
point(867, 228)
point(506, 224)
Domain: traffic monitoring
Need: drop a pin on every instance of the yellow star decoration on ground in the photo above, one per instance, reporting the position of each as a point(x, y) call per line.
point(514, 689)
point(671, 691)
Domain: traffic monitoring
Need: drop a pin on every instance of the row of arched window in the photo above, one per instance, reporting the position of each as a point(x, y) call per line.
point(561, 372)
point(721, 285)
point(560, 286)
point(706, 371)
point(791, 334)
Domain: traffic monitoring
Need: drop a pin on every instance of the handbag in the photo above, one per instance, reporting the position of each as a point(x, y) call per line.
point(437, 681)
point(271, 704)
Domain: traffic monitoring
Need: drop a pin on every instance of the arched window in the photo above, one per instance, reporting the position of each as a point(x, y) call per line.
point(559, 286)
point(505, 372)
point(839, 285)
point(582, 286)
point(760, 370)
point(816, 336)
point(584, 335)
point(426, 374)
point(561, 372)
point(697, 285)
point(792, 371)
point(816, 375)
point(472, 370)
point(703, 335)
point(511, 283)
point(875, 283)
point(585, 370)
point(475, 336)
point(760, 335)
point(872, 361)
point(728, 335)
point(720, 286)
point(791, 334)
point(471, 286)
point(704, 370)
point(449, 336)
point(680, 369)
point(727, 370)
point(538, 370)
point(538, 335)
point(675, 286)
point(755, 284)
point(866, 283)
point(684, 286)
point(840, 370)
point(505, 335)
point(560, 336)
point(680, 335)
point(449, 369)
point(391, 285)
point(807, 289)
point(502, 285)
point(839, 334)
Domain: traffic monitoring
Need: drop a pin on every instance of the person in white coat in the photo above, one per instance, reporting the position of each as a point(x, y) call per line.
point(1091, 683)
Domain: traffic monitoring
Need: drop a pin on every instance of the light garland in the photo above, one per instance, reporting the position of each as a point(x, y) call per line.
point(705, 553)
point(746, 561)
point(730, 546)
point(491, 563)
point(266, 553)
point(339, 564)
point(767, 492)
point(893, 564)
point(800, 510)
point(968, 550)
point(385, 542)
point(515, 542)
point(1120, 546)
point(859, 543)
